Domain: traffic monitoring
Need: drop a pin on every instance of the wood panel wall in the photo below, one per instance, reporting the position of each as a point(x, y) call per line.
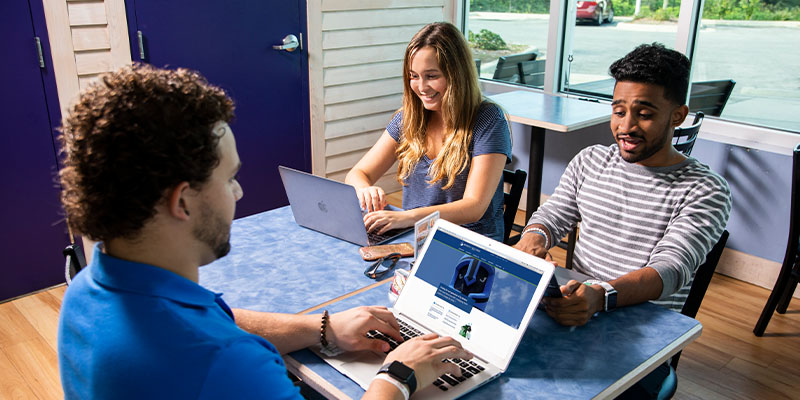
point(87, 38)
point(355, 67)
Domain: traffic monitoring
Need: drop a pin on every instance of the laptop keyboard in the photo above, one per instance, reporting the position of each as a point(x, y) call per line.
point(469, 368)
point(375, 238)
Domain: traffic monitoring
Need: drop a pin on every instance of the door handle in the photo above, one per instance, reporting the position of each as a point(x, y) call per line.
point(290, 43)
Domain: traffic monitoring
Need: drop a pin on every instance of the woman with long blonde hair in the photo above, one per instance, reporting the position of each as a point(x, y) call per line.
point(450, 144)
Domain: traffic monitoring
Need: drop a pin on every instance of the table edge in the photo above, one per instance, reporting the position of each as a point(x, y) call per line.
point(639, 372)
point(313, 380)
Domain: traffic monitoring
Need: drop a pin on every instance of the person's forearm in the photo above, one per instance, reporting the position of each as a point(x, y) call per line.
point(287, 332)
point(637, 286)
point(380, 389)
point(459, 212)
point(357, 179)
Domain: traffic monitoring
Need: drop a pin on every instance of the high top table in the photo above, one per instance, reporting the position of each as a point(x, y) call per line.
point(541, 111)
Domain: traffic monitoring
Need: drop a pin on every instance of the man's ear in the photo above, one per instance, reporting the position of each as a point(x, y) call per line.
point(679, 115)
point(178, 200)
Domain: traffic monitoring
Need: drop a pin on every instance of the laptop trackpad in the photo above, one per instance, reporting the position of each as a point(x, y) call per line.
point(362, 367)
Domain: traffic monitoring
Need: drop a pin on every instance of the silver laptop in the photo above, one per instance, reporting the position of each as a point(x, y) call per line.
point(469, 287)
point(330, 207)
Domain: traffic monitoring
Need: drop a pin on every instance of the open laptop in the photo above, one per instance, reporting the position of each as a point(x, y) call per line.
point(330, 207)
point(469, 287)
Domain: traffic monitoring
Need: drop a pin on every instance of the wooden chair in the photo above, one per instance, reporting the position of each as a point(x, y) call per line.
point(790, 270)
point(516, 180)
point(710, 97)
point(507, 69)
point(531, 73)
point(684, 138)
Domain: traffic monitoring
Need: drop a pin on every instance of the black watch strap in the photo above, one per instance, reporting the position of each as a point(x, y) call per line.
point(402, 373)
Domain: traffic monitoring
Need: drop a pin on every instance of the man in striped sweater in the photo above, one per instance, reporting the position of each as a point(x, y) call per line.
point(648, 214)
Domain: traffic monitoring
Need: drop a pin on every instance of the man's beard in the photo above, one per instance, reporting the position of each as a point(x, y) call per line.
point(650, 148)
point(214, 232)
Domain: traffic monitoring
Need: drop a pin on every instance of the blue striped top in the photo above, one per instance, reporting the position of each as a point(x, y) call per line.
point(490, 135)
point(632, 217)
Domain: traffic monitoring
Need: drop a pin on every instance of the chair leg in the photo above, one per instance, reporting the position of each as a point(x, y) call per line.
point(786, 295)
point(772, 301)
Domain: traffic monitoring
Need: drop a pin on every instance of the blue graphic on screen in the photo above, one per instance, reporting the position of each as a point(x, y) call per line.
point(482, 279)
point(473, 278)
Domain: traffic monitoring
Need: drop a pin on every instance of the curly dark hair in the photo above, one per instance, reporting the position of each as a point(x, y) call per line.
point(131, 136)
point(658, 65)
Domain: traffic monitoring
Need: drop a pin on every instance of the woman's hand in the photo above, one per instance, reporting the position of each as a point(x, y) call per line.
point(382, 221)
point(372, 198)
point(425, 354)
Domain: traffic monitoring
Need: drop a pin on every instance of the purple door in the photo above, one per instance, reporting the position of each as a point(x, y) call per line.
point(230, 42)
point(33, 229)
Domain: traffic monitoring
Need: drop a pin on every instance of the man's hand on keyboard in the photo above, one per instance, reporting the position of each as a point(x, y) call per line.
point(426, 355)
point(348, 329)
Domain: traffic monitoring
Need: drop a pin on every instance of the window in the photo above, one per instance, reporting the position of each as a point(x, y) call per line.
point(746, 45)
point(509, 36)
point(761, 57)
point(602, 32)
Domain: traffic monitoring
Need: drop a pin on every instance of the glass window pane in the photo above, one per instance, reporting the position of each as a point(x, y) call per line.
point(760, 56)
point(507, 36)
point(606, 30)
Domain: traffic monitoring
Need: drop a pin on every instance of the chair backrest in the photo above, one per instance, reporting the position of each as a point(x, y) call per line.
point(684, 138)
point(531, 72)
point(507, 69)
point(511, 199)
point(710, 97)
point(793, 245)
point(702, 278)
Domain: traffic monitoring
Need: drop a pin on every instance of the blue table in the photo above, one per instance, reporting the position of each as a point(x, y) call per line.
point(598, 360)
point(276, 265)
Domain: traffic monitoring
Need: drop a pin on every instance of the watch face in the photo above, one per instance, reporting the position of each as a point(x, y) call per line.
point(400, 371)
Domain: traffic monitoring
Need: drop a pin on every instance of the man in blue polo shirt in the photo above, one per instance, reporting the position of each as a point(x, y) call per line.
point(150, 172)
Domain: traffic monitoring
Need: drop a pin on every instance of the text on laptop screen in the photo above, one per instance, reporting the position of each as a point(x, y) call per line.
point(464, 290)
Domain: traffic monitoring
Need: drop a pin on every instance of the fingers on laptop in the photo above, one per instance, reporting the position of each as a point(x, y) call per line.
point(372, 198)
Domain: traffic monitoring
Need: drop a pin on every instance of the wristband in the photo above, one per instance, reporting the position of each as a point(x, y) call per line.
point(398, 385)
point(538, 231)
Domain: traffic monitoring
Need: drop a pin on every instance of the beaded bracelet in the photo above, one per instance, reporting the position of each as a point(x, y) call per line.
point(538, 231)
point(326, 347)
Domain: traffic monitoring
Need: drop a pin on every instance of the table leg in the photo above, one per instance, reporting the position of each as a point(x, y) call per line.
point(535, 163)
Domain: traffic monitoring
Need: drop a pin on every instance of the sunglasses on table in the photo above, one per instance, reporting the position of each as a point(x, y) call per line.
point(382, 266)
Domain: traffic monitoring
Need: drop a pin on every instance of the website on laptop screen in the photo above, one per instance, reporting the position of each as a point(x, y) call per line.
point(469, 293)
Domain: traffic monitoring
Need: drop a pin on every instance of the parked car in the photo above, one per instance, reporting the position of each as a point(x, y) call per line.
point(595, 11)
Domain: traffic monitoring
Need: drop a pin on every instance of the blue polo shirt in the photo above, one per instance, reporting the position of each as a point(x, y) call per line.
point(134, 331)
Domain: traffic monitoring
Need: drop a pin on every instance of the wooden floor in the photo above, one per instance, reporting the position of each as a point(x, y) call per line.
point(726, 362)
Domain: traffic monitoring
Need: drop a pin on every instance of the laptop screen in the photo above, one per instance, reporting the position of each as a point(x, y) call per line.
point(466, 290)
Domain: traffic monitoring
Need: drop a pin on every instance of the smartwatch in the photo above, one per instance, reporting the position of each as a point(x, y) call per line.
point(402, 373)
point(611, 293)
